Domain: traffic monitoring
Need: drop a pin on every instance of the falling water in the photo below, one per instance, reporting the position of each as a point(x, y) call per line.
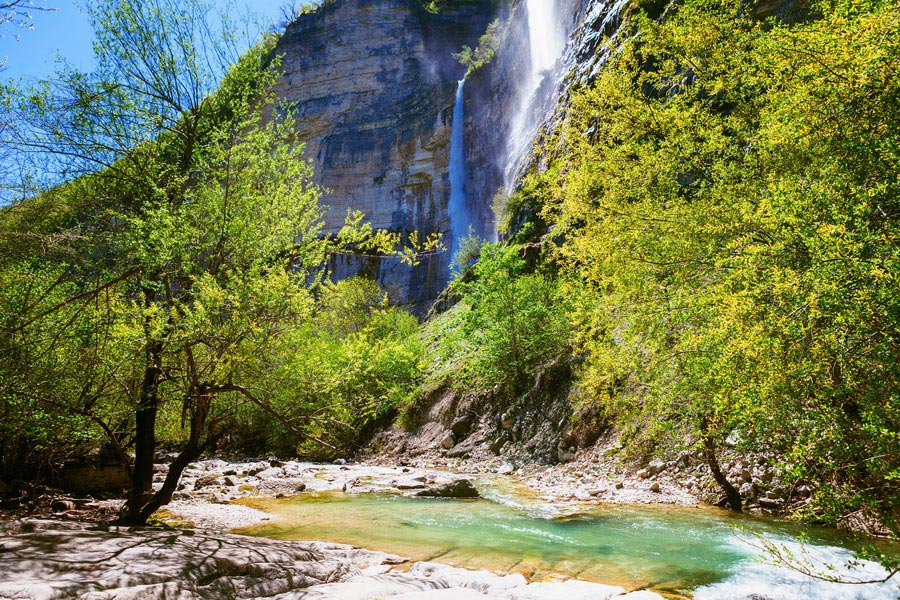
point(460, 219)
point(546, 39)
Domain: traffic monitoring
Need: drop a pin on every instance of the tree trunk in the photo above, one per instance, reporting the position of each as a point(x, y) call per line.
point(193, 449)
point(709, 453)
point(145, 435)
point(188, 454)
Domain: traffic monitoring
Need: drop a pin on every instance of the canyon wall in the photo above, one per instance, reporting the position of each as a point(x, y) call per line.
point(371, 84)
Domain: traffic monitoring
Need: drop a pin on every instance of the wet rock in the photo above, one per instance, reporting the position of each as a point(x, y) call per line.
point(771, 503)
point(460, 488)
point(483, 582)
point(565, 590)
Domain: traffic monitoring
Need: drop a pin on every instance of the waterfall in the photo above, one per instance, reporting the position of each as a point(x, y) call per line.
point(460, 219)
point(546, 41)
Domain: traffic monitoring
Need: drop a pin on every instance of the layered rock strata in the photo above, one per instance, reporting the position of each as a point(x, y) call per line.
point(371, 84)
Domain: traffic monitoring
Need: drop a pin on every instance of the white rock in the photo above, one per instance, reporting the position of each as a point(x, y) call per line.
point(641, 595)
point(565, 590)
point(448, 594)
point(482, 581)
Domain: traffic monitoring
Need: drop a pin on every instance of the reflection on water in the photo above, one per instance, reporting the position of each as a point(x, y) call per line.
point(707, 552)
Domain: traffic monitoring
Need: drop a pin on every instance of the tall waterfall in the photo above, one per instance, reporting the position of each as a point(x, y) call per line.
point(460, 219)
point(547, 40)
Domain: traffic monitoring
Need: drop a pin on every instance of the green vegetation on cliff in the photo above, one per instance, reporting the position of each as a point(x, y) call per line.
point(725, 200)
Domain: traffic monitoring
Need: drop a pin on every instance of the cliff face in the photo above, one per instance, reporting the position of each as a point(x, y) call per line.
point(372, 85)
point(495, 94)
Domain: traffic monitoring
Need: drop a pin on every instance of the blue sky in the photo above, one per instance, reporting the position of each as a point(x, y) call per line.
point(66, 32)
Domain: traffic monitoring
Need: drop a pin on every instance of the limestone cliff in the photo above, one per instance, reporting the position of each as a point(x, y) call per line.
point(372, 85)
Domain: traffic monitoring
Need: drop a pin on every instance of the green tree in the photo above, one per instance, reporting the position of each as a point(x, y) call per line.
point(515, 320)
point(729, 205)
point(195, 225)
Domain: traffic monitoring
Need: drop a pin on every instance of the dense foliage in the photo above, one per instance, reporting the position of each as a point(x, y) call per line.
point(727, 198)
point(172, 291)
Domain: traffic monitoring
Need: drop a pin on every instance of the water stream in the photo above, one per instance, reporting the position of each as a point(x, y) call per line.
point(708, 553)
point(460, 219)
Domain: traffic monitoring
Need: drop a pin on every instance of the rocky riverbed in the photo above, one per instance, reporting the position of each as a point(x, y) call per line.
point(209, 488)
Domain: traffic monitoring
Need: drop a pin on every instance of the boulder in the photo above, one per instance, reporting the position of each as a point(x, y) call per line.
point(565, 454)
point(206, 481)
point(409, 483)
point(448, 442)
point(271, 473)
point(461, 427)
point(506, 469)
point(258, 468)
point(656, 467)
point(460, 488)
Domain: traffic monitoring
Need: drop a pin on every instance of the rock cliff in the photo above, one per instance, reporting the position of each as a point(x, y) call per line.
point(372, 85)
